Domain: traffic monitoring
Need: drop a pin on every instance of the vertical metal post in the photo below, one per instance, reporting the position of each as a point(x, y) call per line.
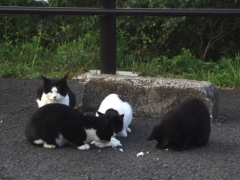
point(108, 40)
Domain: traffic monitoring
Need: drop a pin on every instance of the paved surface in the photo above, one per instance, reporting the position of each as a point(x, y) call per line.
point(220, 159)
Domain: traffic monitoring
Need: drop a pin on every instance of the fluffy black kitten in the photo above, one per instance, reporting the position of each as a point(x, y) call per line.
point(55, 124)
point(185, 126)
point(55, 91)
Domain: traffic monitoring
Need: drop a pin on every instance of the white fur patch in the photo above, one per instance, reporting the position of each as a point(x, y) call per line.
point(129, 130)
point(60, 141)
point(39, 141)
point(48, 145)
point(113, 143)
point(84, 147)
point(122, 134)
point(53, 97)
point(91, 135)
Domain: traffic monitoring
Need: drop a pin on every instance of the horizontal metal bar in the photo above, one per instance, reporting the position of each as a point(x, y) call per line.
point(119, 11)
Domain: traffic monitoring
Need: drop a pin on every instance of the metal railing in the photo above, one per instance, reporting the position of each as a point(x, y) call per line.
point(107, 14)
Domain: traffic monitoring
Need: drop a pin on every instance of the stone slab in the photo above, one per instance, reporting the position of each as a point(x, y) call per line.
point(149, 96)
point(87, 75)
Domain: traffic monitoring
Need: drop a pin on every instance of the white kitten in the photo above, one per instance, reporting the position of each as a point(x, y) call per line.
point(115, 104)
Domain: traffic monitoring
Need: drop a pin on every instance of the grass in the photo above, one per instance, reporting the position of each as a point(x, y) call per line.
point(29, 60)
point(225, 73)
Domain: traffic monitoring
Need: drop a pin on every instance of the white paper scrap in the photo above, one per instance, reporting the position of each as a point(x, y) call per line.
point(140, 154)
point(121, 149)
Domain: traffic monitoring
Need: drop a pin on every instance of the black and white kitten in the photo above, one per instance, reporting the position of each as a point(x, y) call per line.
point(55, 124)
point(55, 91)
point(185, 126)
point(116, 105)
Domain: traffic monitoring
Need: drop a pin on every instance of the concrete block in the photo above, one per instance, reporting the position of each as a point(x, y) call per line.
point(149, 96)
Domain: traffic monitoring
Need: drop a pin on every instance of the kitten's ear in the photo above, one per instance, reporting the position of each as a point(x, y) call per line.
point(121, 116)
point(99, 113)
point(65, 77)
point(151, 137)
point(44, 78)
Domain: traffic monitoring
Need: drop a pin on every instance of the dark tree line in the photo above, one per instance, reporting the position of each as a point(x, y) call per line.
point(208, 38)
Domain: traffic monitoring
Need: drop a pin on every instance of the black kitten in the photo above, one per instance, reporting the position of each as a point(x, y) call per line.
point(55, 124)
point(55, 91)
point(185, 126)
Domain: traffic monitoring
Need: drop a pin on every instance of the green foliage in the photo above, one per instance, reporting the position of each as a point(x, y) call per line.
point(74, 3)
point(83, 53)
point(31, 59)
point(19, 3)
point(201, 48)
point(124, 60)
point(185, 65)
point(20, 60)
point(209, 38)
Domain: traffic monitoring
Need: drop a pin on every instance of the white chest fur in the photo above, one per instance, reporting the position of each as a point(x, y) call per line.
point(61, 140)
point(91, 135)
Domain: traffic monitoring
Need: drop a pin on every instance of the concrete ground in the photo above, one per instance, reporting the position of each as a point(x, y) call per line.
point(219, 159)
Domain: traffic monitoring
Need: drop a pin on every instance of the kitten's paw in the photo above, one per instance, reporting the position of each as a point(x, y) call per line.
point(49, 145)
point(39, 141)
point(84, 147)
point(122, 134)
point(129, 130)
point(98, 144)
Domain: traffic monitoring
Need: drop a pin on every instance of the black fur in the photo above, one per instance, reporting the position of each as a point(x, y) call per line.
point(113, 113)
point(120, 97)
point(52, 119)
point(62, 87)
point(185, 126)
